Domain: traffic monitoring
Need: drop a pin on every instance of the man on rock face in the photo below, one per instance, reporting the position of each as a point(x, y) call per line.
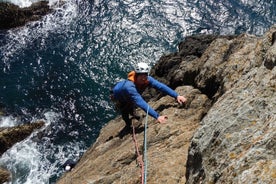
point(127, 94)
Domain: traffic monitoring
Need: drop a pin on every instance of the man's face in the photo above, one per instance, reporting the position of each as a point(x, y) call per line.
point(141, 78)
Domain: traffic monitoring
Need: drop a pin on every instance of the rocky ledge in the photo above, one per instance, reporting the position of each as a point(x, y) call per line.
point(13, 16)
point(11, 135)
point(226, 133)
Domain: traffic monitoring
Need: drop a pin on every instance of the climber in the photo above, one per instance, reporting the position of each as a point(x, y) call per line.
point(127, 94)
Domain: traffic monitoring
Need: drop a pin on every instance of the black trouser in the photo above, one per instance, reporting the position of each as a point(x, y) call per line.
point(126, 110)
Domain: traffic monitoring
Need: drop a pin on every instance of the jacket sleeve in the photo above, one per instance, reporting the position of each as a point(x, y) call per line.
point(162, 87)
point(140, 102)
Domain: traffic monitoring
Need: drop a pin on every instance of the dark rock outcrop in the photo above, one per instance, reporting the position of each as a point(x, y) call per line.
point(4, 175)
point(11, 135)
point(224, 134)
point(270, 59)
point(12, 16)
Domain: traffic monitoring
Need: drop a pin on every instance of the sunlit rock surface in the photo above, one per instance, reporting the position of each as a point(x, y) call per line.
point(224, 134)
point(236, 142)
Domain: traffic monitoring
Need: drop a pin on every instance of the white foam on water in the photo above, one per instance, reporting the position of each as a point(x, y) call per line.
point(54, 22)
point(8, 121)
point(21, 159)
point(32, 162)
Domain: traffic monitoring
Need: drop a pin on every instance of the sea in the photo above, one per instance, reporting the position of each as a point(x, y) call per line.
point(60, 68)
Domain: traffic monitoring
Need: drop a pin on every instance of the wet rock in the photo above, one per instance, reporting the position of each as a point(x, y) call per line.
point(11, 135)
point(13, 16)
point(4, 175)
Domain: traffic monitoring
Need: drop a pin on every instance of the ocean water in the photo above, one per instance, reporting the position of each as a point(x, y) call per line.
point(59, 69)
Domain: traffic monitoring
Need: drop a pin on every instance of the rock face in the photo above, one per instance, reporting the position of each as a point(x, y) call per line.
point(113, 160)
point(12, 16)
point(236, 142)
point(226, 133)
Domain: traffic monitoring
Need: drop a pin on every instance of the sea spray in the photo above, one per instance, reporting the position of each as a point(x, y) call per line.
point(28, 162)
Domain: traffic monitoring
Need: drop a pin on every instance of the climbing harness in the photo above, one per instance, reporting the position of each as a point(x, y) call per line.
point(142, 164)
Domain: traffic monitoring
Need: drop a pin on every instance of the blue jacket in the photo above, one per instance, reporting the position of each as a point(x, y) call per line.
point(126, 91)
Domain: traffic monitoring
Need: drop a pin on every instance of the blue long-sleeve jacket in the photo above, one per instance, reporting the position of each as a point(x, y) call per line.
point(126, 91)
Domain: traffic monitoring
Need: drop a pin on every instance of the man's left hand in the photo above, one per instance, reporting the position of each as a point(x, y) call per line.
point(181, 99)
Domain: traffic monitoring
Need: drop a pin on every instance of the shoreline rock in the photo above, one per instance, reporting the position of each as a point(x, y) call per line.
point(12, 135)
point(4, 175)
point(12, 16)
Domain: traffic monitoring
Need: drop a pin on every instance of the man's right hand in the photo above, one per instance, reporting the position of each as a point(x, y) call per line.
point(162, 119)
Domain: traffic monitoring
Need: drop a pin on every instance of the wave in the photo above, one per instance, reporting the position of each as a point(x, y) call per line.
point(32, 162)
